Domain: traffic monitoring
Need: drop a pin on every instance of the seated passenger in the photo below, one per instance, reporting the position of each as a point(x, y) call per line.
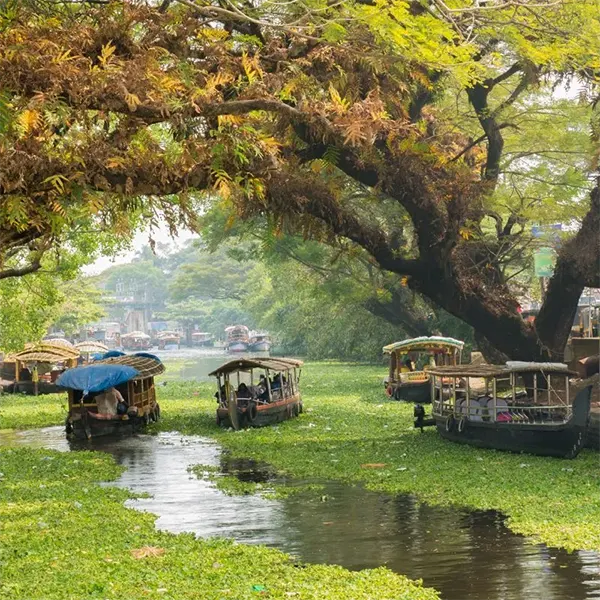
point(108, 401)
point(407, 367)
point(276, 382)
point(243, 391)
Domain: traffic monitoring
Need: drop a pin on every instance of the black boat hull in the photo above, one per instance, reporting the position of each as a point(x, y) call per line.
point(417, 392)
point(593, 432)
point(562, 441)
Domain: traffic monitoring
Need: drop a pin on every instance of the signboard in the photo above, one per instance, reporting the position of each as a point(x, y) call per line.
point(544, 260)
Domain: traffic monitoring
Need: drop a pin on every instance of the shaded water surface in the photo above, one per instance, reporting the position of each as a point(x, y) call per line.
point(466, 555)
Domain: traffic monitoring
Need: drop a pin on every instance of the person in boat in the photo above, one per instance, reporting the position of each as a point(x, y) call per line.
point(220, 395)
point(243, 391)
point(110, 401)
point(407, 367)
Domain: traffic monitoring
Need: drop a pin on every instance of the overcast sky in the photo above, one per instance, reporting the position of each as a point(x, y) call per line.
point(160, 236)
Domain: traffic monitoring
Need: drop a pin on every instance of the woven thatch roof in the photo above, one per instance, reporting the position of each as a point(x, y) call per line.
point(45, 352)
point(58, 342)
point(91, 346)
point(273, 364)
point(136, 334)
point(424, 343)
point(496, 370)
point(148, 367)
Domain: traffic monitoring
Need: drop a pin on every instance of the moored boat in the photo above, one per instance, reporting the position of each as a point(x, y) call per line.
point(202, 339)
point(517, 407)
point(113, 395)
point(136, 340)
point(409, 381)
point(167, 340)
point(238, 338)
point(256, 399)
point(259, 342)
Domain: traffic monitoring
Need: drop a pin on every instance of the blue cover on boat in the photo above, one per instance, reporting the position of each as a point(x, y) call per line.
point(113, 353)
point(98, 356)
point(148, 355)
point(95, 378)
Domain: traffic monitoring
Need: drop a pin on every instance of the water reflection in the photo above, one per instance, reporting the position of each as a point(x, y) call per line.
point(465, 555)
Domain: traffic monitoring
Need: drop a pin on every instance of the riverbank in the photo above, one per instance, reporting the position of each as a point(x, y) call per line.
point(63, 536)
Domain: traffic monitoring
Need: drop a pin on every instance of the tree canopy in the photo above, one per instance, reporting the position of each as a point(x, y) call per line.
point(385, 123)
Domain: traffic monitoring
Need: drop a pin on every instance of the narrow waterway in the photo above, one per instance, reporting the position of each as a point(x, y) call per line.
point(466, 555)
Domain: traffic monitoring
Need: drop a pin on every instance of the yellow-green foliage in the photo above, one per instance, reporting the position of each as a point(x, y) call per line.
point(64, 537)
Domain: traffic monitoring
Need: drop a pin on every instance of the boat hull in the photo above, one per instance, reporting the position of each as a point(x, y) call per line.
point(562, 441)
point(91, 427)
point(593, 433)
point(27, 388)
point(260, 347)
point(266, 414)
point(237, 347)
point(418, 391)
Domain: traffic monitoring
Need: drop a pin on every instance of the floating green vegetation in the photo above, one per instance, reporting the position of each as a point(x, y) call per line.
point(351, 432)
point(19, 411)
point(64, 537)
point(230, 484)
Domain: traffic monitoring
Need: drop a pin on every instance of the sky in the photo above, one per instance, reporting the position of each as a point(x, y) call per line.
point(160, 236)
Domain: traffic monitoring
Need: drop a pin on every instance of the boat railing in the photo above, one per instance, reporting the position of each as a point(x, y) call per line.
point(413, 376)
point(499, 410)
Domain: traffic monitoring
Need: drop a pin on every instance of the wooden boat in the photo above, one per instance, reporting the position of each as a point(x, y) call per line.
point(202, 338)
point(168, 339)
point(132, 375)
point(260, 342)
point(136, 340)
point(46, 361)
point(247, 397)
point(238, 338)
point(89, 348)
point(523, 407)
point(414, 385)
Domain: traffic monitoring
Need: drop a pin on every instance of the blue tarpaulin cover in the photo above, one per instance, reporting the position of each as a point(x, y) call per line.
point(95, 378)
point(113, 353)
point(147, 355)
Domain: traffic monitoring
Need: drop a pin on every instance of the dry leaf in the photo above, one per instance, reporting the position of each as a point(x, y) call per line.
point(147, 551)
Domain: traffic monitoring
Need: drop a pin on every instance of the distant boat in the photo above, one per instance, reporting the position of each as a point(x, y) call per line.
point(260, 342)
point(238, 338)
point(136, 340)
point(202, 338)
point(168, 340)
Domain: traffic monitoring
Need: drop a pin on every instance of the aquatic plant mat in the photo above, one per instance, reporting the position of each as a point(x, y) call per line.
point(350, 432)
point(62, 536)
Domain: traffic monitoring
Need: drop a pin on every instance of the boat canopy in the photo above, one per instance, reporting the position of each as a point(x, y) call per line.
point(47, 353)
point(499, 370)
point(96, 377)
point(424, 343)
point(136, 334)
point(91, 346)
point(273, 364)
point(148, 365)
point(113, 353)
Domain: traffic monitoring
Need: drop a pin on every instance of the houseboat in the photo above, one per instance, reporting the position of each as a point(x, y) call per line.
point(90, 348)
point(136, 340)
point(259, 342)
point(517, 407)
point(410, 362)
point(168, 340)
point(37, 368)
point(238, 338)
point(202, 339)
point(257, 392)
point(113, 395)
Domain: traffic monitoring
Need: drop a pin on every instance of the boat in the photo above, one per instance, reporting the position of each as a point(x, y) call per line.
point(136, 340)
point(238, 338)
point(202, 338)
point(517, 407)
point(412, 383)
point(255, 399)
point(168, 340)
point(259, 342)
point(37, 367)
point(132, 375)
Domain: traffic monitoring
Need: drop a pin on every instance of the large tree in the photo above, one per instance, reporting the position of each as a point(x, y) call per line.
point(282, 108)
